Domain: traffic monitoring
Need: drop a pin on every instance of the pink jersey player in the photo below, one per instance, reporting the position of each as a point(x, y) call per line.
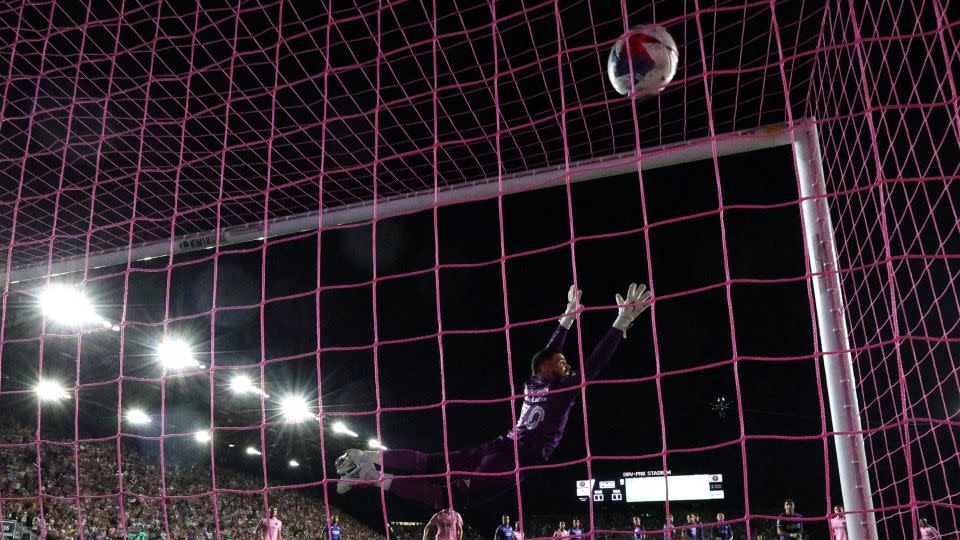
point(838, 528)
point(838, 524)
point(517, 531)
point(927, 531)
point(448, 523)
point(270, 528)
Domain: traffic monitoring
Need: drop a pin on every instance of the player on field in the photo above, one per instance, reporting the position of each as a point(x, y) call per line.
point(927, 531)
point(517, 531)
point(504, 530)
point(788, 526)
point(333, 529)
point(549, 394)
point(838, 524)
point(448, 524)
point(576, 531)
point(270, 527)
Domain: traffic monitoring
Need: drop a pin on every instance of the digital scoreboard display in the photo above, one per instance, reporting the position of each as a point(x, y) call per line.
point(652, 486)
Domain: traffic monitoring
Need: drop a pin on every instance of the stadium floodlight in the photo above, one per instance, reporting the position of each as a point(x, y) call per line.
point(342, 429)
point(175, 354)
point(251, 451)
point(295, 408)
point(137, 417)
point(68, 306)
point(51, 391)
point(231, 445)
point(294, 463)
point(202, 436)
point(241, 384)
point(375, 445)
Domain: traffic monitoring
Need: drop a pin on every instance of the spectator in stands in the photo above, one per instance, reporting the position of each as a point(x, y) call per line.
point(722, 531)
point(639, 533)
point(668, 528)
point(695, 528)
point(190, 515)
point(561, 531)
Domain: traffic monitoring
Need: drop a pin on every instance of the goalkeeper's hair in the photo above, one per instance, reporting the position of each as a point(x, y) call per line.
point(541, 356)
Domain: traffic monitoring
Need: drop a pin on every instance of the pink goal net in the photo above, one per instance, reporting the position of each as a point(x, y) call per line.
point(344, 217)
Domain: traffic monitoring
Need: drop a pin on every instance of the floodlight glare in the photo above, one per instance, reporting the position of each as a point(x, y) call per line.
point(341, 428)
point(175, 354)
point(137, 417)
point(68, 306)
point(375, 445)
point(241, 384)
point(251, 451)
point(202, 436)
point(294, 463)
point(51, 391)
point(295, 409)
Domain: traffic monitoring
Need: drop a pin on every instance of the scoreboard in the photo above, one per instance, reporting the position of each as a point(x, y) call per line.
point(652, 486)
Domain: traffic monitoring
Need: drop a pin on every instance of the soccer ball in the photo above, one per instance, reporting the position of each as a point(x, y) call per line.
point(651, 52)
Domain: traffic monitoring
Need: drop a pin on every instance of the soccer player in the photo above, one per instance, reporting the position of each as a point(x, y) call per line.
point(927, 531)
point(448, 523)
point(722, 531)
point(639, 533)
point(270, 527)
point(561, 531)
point(549, 394)
point(576, 531)
point(333, 528)
point(517, 531)
point(838, 524)
point(504, 530)
point(788, 526)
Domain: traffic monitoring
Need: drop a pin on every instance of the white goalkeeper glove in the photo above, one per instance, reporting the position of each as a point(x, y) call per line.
point(573, 304)
point(629, 308)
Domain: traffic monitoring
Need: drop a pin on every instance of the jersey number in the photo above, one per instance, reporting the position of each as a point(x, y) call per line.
point(532, 417)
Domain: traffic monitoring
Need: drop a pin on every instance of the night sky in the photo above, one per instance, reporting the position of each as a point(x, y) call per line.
point(773, 332)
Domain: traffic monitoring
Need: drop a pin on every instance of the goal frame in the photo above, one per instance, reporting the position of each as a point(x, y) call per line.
point(821, 255)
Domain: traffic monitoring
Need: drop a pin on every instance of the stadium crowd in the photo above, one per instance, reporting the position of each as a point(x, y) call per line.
point(189, 513)
point(189, 507)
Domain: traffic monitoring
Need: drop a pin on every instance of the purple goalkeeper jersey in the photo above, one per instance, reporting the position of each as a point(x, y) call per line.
point(545, 411)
